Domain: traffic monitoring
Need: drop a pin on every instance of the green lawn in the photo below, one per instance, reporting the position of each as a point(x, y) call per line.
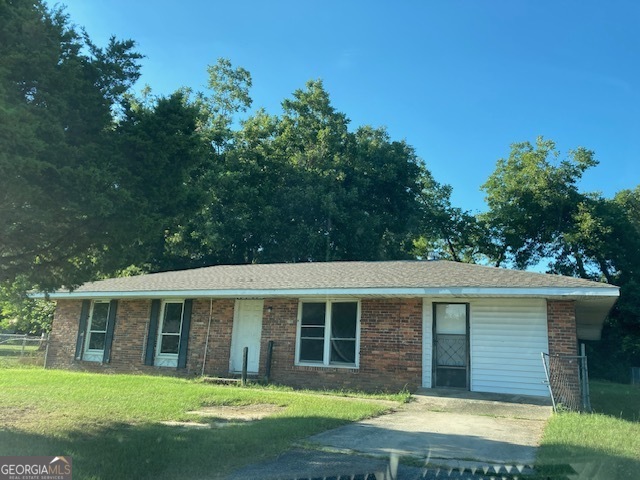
point(602, 445)
point(110, 424)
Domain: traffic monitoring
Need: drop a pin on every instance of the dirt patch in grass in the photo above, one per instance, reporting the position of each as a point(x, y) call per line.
point(13, 416)
point(226, 415)
point(254, 411)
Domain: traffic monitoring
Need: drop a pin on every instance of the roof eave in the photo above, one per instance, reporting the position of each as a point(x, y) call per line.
point(543, 292)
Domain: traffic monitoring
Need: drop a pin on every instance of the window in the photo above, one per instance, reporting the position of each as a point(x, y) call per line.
point(168, 343)
point(328, 333)
point(96, 332)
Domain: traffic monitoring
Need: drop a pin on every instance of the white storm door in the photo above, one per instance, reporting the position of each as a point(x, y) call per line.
point(247, 330)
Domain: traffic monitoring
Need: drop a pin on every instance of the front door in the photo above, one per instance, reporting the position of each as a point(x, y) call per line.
point(451, 345)
point(247, 330)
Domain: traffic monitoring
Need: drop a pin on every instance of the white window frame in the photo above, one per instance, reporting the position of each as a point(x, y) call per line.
point(326, 358)
point(94, 354)
point(167, 359)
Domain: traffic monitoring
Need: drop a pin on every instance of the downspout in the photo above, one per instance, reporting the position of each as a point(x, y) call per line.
point(206, 343)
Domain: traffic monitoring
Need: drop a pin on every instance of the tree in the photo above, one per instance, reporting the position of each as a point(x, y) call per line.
point(58, 201)
point(159, 153)
point(448, 232)
point(537, 214)
point(533, 199)
point(19, 314)
point(302, 187)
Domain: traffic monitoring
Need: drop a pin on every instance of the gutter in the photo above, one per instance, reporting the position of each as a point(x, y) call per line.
point(544, 292)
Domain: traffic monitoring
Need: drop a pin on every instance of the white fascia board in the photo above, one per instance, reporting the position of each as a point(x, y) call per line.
point(573, 292)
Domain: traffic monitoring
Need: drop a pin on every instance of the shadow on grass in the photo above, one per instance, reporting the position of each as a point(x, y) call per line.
point(562, 462)
point(155, 451)
point(165, 452)
point(616, 400)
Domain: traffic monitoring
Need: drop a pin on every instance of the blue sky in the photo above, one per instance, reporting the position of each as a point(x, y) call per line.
point(460, 80)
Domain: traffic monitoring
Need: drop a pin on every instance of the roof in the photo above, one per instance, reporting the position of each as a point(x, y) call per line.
point(410, 277)
point(437, 279)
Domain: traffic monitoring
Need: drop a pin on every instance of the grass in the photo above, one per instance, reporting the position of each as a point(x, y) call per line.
point(110, 424)
point(604, 444)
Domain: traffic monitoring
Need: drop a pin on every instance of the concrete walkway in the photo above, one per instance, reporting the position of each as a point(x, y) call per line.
point(440, 429)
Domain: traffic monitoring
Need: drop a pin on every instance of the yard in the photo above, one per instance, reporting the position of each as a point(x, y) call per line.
point(603, 445)
point(112, 424)
point(135, 426)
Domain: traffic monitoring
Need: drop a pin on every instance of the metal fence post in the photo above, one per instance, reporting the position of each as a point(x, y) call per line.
point(46, 350)
point(245, 355)
point(267, 374)
point(548, 375)
point(586, 397)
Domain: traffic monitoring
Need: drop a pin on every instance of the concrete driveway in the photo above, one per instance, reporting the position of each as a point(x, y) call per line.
point(446, 427)
point(440, 429)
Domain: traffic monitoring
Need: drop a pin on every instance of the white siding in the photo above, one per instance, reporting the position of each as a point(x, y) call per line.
point(506, 338)
point(427, 342)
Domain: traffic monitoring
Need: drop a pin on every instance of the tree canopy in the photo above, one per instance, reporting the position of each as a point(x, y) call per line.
point(537, 214)
point(58, 91)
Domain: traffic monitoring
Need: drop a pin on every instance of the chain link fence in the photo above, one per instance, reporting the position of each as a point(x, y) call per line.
point(568, 382)
point(20, 350)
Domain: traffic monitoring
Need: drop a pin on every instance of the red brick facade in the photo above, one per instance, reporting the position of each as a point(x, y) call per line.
point(562, 328)
point(390, 342)
point(563, 341)
point(390, 347)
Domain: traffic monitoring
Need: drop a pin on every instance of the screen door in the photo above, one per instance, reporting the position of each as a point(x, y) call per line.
point(451, 345)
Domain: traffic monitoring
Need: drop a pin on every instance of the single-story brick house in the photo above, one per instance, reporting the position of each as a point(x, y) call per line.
point(359, 325)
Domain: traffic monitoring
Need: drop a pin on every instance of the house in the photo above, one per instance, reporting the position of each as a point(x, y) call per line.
point(359, 325)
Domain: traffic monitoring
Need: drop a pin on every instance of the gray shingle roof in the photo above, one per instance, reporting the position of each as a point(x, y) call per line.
point(338, 275)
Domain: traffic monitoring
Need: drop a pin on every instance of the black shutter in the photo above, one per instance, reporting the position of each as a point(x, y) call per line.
point(82, 328)
point(153, 332)
point(111, 323)
point(184, 334)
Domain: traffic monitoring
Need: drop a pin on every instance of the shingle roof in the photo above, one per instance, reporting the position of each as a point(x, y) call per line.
point(338, 275)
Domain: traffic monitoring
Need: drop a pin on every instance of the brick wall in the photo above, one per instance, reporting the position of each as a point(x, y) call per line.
point(129, 339)
point(562, 328)
point(390, 343)
point(219, 347)
point(64, 333)
point(390, 347)
point(563, 340)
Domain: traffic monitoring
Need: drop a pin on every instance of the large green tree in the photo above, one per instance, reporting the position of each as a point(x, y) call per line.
point(59, 204)
point(160, 151)
point(303, 187)
point(533, 201)
point(538, 214)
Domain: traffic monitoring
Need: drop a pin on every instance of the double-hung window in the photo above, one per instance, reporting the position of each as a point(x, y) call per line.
point(169, 330)
point(96, 331)
point(328, 333)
